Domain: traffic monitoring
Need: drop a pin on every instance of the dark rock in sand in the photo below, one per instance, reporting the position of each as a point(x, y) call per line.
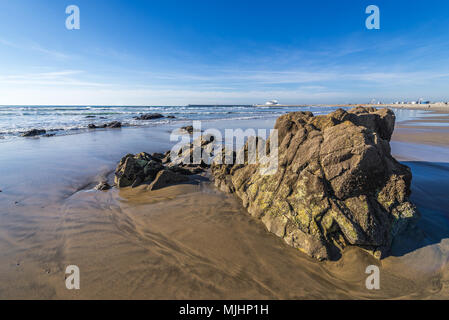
point(337, 184)
point(33, 133)
point(166, 178)
point(157, 155)
point(103, 186)
point(134, 170)
point(157, 170)
point(149, 116)
point(188, 129)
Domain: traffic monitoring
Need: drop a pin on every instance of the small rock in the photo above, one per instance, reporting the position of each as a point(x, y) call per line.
point(188, 129)
point(33, 133)
point(103, 186)
point(171, 117)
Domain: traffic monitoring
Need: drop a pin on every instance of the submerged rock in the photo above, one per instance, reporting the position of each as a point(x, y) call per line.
point(34, 132)
point(113, 124)
point(149, 116)
point(337, 184)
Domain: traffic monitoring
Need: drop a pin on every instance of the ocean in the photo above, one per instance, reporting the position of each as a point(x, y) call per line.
point(62, 120)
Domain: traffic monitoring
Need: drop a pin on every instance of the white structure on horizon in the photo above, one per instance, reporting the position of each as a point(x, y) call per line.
point(272, 103)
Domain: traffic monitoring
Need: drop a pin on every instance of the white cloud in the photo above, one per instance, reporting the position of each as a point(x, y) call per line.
point(35, 47)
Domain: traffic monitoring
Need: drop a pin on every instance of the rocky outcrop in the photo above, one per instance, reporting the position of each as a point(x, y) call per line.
point(159, 170)
point(149, 116)
point(337, 184)
point(134, 170)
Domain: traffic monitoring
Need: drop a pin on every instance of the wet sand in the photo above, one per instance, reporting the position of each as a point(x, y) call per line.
point(190, 241)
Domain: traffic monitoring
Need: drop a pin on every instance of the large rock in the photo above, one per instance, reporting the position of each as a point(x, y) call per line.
point(337, 184)
point(156, 170)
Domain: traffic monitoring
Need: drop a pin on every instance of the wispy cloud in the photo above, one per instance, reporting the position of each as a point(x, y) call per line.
point(57, 78)
point(35, 47)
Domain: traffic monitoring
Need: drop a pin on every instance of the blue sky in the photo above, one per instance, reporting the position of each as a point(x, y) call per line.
point(179, 52)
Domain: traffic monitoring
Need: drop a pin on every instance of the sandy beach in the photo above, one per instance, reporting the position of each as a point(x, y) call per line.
point(192, 241)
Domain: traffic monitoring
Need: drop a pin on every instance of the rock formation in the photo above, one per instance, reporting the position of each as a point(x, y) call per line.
point(337, 184)
point(159, 170)
point(149, 116)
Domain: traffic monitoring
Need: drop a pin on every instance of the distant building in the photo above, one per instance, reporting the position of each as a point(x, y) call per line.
point(272, 103)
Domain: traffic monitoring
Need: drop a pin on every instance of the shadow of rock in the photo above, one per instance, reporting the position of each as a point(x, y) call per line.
point(430, 187)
